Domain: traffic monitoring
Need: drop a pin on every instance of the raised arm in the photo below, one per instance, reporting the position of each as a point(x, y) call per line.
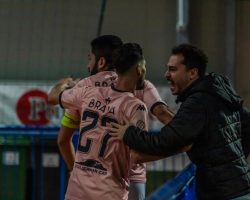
point(53, 96)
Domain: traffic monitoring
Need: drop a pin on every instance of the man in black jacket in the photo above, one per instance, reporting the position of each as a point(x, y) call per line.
point(211, 118)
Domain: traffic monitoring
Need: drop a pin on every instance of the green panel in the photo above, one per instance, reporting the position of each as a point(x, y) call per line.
point(156, 178)
point(15, 141)
point(12, 173)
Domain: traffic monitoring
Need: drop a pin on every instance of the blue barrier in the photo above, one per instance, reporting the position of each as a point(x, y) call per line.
point(182, 187)
point(30, 143)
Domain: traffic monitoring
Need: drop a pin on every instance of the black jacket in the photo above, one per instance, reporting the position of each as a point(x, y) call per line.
point(209, 118)
point(245, 130)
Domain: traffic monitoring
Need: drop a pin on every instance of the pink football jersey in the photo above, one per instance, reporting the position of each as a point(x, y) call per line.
point(149, 95)
point(101, 169)
point(101, 79)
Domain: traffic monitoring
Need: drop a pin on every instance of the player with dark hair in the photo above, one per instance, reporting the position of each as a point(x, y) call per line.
point(99, 60)
point(101, 51)
point(102, 164)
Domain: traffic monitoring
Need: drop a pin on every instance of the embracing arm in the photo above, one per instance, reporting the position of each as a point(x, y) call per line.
point(163, 113)
point(154, 102)
point(187, 124)
point(139, 157)
point(53, 96)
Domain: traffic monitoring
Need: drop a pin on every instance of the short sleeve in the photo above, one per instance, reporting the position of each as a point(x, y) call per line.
point(149, 95)
point(72, 98)
point(139, 115)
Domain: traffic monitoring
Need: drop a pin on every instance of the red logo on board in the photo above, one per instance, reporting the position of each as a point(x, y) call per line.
point(32, 108)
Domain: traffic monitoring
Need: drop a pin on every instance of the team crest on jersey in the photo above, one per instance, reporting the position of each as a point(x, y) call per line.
point(140, 124)
point(92, 166)
point(141, 107)
point(108, 100)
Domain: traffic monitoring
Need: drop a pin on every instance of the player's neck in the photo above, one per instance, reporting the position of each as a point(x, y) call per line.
point(125, 84)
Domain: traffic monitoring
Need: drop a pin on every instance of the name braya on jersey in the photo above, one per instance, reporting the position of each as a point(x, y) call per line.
point(98, 105)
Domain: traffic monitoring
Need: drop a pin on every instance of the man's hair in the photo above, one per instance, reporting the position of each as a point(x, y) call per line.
point(126, 56)
point(193, 57)
point(104, 46)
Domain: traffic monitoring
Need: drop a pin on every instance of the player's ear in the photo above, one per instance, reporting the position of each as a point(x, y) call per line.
point(193, 73)
point(102, 64)
point(138, 70)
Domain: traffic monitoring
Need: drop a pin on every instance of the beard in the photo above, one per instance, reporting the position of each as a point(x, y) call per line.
point(94, 70)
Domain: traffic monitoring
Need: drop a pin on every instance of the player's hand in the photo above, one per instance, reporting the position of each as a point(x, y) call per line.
point(67, 83)
point(76, 80)
point(61, 85)
point(118, 130)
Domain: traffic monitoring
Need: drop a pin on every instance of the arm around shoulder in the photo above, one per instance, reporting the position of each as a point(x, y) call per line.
point(187, 124)
point(53, 96)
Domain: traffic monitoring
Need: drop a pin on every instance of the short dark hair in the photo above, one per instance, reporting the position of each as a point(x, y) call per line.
point(193, 57)
point(104, 46)
point(126, 56)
